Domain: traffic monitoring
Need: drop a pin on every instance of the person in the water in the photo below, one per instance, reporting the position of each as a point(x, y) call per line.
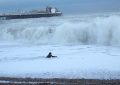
point(50, 55)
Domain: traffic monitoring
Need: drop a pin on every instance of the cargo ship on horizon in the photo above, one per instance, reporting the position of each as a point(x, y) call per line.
point(48, 12)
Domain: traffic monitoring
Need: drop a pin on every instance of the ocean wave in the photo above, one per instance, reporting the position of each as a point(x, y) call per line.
point(103, 30)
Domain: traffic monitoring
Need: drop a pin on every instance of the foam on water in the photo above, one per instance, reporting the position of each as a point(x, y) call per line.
point(79, 41)
point(103, 30)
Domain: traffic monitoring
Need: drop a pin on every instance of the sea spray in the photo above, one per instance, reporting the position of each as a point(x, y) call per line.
point(103, 30)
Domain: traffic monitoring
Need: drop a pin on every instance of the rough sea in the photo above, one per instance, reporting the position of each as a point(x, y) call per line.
point(87, 46)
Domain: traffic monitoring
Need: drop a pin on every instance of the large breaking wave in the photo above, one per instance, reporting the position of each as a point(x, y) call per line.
point(103, 30)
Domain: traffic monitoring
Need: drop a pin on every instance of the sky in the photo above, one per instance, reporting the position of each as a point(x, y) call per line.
point(66, 6)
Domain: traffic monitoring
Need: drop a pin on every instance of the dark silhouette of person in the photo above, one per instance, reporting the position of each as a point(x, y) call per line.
point(50, 55)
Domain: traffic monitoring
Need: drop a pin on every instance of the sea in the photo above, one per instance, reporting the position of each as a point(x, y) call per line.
point(86, 46)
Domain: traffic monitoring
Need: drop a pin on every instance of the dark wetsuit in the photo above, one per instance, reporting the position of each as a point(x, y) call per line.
point(49, 55)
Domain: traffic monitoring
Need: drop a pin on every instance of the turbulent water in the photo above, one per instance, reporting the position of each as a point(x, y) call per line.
point(91, 41)
point(80, 29)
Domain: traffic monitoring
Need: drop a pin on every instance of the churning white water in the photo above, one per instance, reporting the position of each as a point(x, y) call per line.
point(87, 46)
point(103, 30)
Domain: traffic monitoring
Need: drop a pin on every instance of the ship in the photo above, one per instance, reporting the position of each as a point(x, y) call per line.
point(48, 12)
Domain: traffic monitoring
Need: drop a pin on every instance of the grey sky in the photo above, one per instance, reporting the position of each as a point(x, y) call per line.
point(67, 6)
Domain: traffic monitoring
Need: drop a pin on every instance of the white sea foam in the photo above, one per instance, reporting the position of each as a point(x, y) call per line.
point(25, 43)
point(104, 30)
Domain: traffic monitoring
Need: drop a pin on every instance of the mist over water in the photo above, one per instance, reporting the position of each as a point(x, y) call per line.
point(103, 29)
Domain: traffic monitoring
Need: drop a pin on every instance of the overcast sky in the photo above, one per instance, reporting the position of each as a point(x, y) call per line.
point(67, 6)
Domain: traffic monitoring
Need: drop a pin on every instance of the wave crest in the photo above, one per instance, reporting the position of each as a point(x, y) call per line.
point(87, 30)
